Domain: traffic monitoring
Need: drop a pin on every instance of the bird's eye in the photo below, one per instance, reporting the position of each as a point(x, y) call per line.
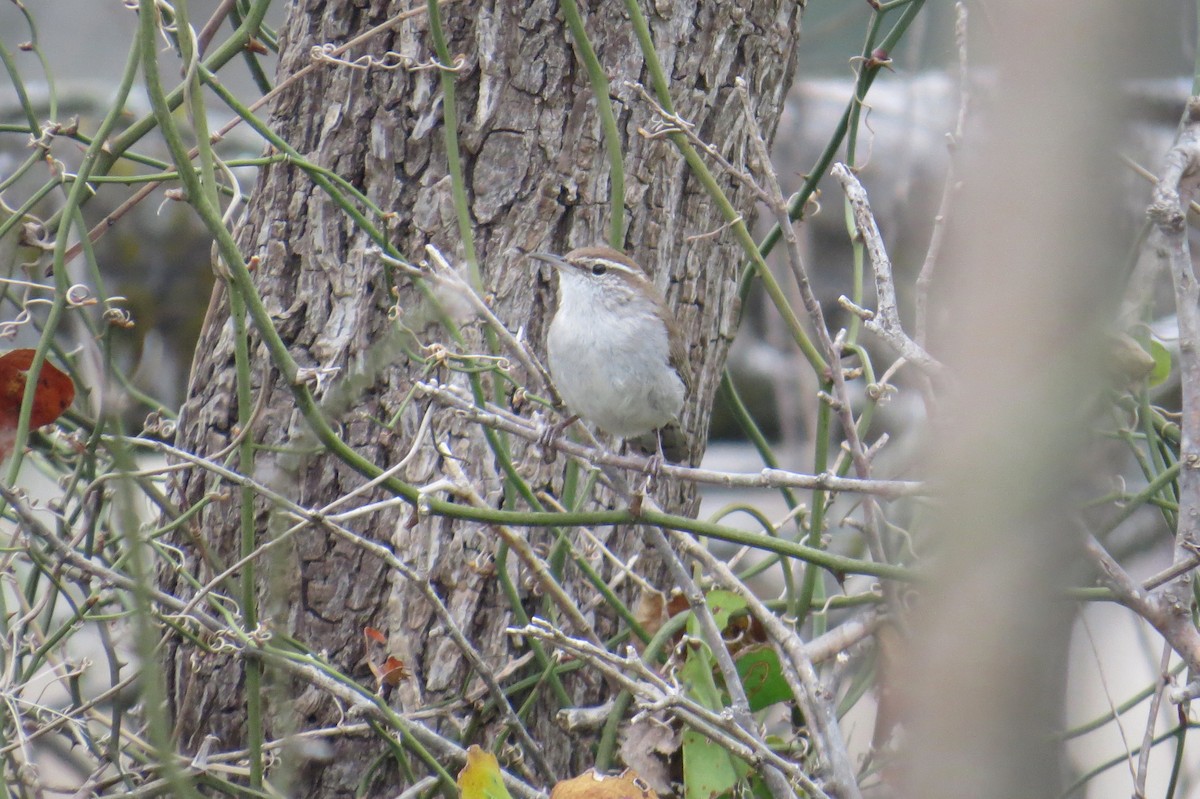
point(599, 269)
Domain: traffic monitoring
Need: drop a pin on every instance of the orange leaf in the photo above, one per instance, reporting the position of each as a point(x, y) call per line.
point(394, 671)
point(54, 393)
point(590, 785)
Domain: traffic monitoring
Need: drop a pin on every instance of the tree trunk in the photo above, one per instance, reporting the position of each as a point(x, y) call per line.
point(536, 176)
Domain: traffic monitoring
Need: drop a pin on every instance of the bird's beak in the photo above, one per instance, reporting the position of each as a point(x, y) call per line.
point(546, 257)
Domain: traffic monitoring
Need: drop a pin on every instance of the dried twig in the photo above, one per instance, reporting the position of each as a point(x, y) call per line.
point(937, 235)
point(501, 419)
point(1164, 680)
point(246, 644)
point(1161, 609)
point(739, 703)
point(439, 270)
point(885, 322)
point(1176, 188)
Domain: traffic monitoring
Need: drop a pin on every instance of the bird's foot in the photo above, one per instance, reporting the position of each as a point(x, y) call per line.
point(635, 502)
point(545, 441)
point(652, 470)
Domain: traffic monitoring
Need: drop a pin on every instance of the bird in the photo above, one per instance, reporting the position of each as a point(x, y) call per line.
point(615, 351)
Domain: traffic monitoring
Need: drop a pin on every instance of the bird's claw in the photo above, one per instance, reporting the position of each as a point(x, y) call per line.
point(545, 441)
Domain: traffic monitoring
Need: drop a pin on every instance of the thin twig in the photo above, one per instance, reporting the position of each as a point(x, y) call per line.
point(1160, 609)
point(1176, 188)
point(501, 419)
point(237, 641)
point(521, 546)
point(439, 271)
point(739, 703)
point(885, 322)
point(212, 26)
point(1164, 680)
point(677, 124)
point(937, 235)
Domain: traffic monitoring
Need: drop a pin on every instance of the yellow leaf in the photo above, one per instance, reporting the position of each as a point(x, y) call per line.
point(481, 778)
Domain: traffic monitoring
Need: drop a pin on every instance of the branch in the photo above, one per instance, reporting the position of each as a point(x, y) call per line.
point(1162, 609)
point(1168, 213)
point(439, 270)
point(885, 322)
point(508, 422)
point(937, 235)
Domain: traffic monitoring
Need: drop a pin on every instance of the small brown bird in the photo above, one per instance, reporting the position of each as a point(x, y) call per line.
point(615, 351)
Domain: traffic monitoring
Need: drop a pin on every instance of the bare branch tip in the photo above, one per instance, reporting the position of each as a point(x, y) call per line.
point(1192, 110)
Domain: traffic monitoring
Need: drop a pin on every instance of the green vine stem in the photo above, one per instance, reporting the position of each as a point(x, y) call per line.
point(75, 196)
point(608, 123)
point(728, 212)
point(445, 66)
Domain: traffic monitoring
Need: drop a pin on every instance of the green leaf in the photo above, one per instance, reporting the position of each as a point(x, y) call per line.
point(762, 677)
point(708, 770)
point(697, 674)
point(723, 605)
point(697, 670)
point(1162, 363)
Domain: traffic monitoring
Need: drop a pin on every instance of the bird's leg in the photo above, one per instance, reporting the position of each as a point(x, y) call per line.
point(655, 463)
point(653, 468)
point(549, 434)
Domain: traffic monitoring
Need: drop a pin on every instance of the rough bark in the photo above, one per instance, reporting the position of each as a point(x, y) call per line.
point(536, 174)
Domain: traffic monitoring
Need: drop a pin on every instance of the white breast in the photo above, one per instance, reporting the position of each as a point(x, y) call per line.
point(611, 364)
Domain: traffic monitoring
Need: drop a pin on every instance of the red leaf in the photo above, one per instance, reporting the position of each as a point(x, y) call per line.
point(390, 673)
point(54, 393)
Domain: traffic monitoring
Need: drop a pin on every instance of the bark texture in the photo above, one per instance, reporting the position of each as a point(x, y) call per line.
point(537, 177)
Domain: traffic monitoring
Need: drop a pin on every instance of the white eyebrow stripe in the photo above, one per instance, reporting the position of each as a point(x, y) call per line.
point(615, 265)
